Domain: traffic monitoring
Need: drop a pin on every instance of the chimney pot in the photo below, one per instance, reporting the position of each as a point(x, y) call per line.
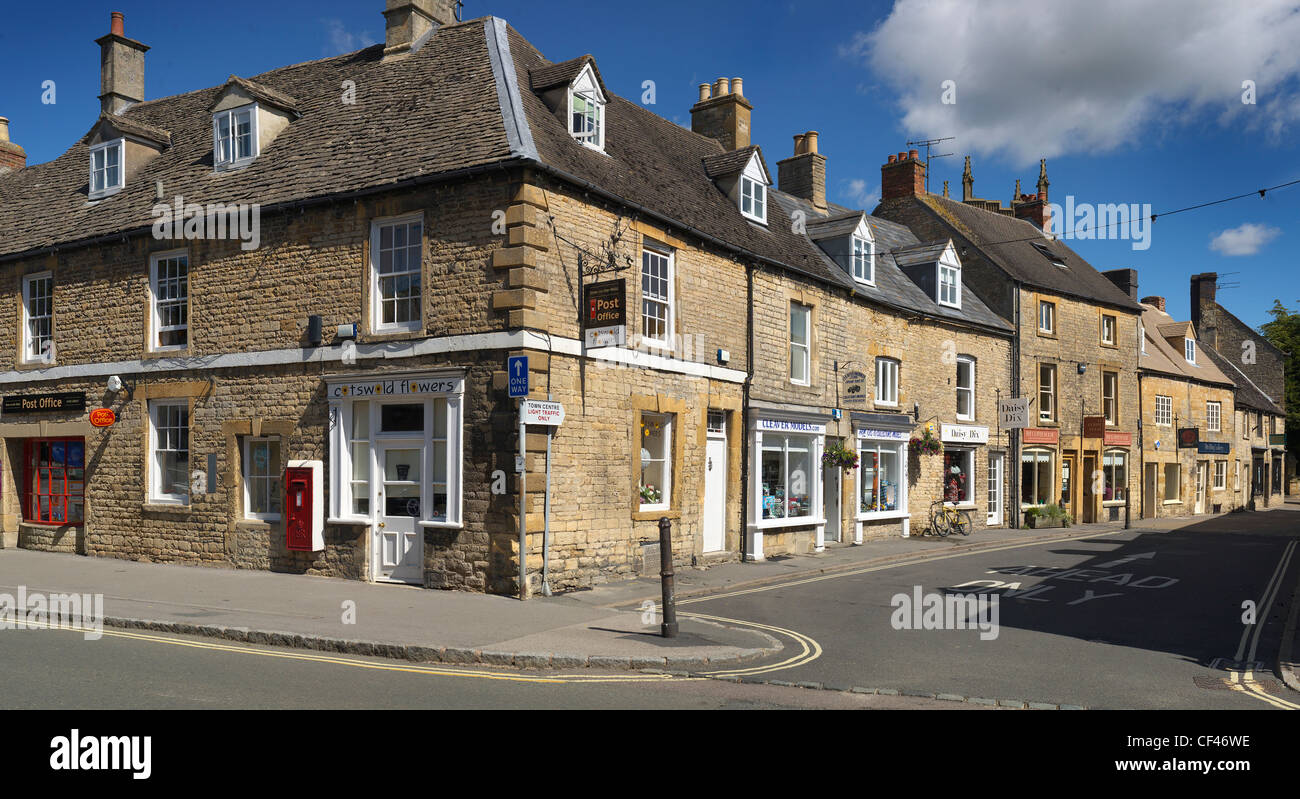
point(11, 155)
point(799, 147)
point(4, 129)
point(737, 84)
point(810, 141)
point(706, 91)
point(893, 158)
point(116, 24)
point(1158, 302)
point(724, 87)
point(912, 153)
point(902, 177)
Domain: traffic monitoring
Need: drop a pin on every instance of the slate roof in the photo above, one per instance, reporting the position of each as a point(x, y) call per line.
point(1008, 243)
point(1247, 395)
point(563, 73)
point(433, 112)
point(134, 128)
point(729, 163)
point(1163, 357)
point(893, 288)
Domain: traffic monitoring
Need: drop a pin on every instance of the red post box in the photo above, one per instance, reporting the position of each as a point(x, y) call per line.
point(304, 506)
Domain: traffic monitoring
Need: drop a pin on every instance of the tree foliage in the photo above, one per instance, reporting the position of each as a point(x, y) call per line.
point(1284, 333)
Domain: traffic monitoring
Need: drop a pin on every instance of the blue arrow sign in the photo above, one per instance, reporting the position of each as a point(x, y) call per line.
point(517, 369)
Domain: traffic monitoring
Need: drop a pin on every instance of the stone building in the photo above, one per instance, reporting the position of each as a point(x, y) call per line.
point(1190, 456)
point(1075, 346)
point(1259, 370)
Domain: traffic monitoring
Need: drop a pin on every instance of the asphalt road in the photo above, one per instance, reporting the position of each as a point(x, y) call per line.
point(1140, 627)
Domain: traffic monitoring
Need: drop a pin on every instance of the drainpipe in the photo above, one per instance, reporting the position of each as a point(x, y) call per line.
point(744, 411)
point(1014, 505)
point(1142, 452)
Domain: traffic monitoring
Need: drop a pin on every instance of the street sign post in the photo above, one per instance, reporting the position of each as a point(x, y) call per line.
point(541, 412)
point(517, 370)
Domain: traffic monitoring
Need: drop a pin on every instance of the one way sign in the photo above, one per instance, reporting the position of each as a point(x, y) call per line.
point(517, 368)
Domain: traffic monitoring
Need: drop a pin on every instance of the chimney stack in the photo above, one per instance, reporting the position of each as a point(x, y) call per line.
point(11, 155)
point(804, 173)
point(1033, 208)
point(1205, 317)
point(121, 68)
point(1126, 280)
point(1158, 302)
point(405, 21)
point(902, 176)
point(723, 113)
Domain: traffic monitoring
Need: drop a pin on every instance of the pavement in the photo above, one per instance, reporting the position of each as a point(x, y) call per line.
point(603, 627)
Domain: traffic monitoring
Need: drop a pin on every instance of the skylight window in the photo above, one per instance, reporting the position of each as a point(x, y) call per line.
point(1049, 255)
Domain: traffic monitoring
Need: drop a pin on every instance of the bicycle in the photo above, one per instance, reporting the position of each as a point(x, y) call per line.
point(945, 519)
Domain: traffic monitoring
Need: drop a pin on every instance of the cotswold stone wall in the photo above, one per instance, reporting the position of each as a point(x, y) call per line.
point(1160, 448)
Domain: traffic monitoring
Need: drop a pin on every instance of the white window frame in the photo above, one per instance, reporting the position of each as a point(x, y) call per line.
point(249, 478)
point(156, 327)
point(1047, 410)
point(814, 476)
point(157, 495)
point(376, 300)
point(948, 287)
point(1189, 350)
point(887, 378)
point(253, 111)
point(968, 390)
point(967, 455)
point(591, 133)
point(1214, 416)
point(1114, 328)
point(863, 260)
point(118, 145)
point(753, 193)
point(1220, 476)
point(1113, 399)
point(32, 351)
point(1164, 415)
point(1108, 475)
point(1142, 338)
point(667, 301)
point(801, 353)
point(665, 457)
point(1047, 311)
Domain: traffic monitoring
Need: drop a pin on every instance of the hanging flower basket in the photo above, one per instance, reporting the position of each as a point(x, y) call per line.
point(925, 445)
point(840, 456)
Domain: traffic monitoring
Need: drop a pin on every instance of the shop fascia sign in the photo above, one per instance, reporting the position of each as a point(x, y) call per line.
point(963, 434)
point(783, 426)
point(887, 435)
point(411, 386)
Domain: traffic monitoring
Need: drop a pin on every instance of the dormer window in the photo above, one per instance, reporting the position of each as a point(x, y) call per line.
point(949, 280)
point(106, 170)
point(864, 257)
point(234, 134)
point(753, 199)
point(587, 110)
point(1189, 350)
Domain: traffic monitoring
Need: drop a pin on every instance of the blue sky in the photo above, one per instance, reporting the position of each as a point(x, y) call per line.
point(1130, 102)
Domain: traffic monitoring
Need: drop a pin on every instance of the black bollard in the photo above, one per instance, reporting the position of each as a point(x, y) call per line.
point(666, 575)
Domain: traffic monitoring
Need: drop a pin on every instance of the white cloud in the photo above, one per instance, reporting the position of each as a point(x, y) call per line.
point(1245, 239)
point(1036, 79)
point(860, 197)
point(342, 40)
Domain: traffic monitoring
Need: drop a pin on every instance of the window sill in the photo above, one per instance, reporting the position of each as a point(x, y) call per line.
point(173, 508)
point(799, 521)
point(655, 515)
point(1114, 503)
point(882, 515)
point(103, 194)
point(1172, 502)
point(50, 525)
point(177, 352)
point(232, 166)
point(32, 366)
point(380, 336)
point(962, 506)
point(258, 523)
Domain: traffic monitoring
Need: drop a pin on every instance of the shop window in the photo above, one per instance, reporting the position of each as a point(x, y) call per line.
point(440, 474)
point(55, 481)
point(1173, 476)
point(169, 451)
point(1114, 469)
point(787, 476)
point(958, 476)
point(359, 446)
point(880, 476)
point(262, 478)
point(656, 461)
point(1036, 479)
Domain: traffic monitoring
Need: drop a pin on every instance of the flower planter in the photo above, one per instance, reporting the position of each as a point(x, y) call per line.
point(1042, 522)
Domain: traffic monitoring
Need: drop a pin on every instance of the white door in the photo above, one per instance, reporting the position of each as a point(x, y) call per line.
point(1202, 472)
point(832, 490)
point(398, 539)
point(715, 494)
point(996, 461)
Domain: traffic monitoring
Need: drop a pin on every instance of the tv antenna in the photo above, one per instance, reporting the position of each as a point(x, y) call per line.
point(927, 144)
